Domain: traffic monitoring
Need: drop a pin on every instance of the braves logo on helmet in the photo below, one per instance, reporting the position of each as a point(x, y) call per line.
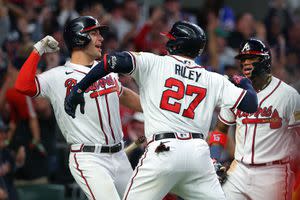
point(253, 48)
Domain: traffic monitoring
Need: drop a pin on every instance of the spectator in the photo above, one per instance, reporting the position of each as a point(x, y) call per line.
point(149, 37)
point(244, 29)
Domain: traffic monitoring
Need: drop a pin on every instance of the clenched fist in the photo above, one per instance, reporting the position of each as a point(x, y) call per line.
point(46, 45)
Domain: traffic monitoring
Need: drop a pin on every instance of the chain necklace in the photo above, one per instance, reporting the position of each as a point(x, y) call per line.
point(269, 79)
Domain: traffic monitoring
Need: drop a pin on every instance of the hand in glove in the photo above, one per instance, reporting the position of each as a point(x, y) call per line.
point(46, 45)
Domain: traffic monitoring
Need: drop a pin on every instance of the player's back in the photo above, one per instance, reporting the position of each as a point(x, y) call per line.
point(177, 95)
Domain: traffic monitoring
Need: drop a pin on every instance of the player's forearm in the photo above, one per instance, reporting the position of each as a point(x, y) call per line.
point(35, 129)
point(131, 100)
point(25, 82)
point(115, 62)
point(218, 140)
point(249, 103)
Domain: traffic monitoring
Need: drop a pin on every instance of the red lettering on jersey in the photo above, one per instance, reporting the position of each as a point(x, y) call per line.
point(69, 84)
point(98, 88)
point(262, 116)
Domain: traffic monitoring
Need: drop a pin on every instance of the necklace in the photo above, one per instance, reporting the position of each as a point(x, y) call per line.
point(266, 84)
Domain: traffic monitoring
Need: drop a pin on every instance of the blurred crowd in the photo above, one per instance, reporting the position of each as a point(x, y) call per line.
point(31, 147)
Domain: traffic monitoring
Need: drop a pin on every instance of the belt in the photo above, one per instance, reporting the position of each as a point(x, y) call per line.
point(180, 136)
point(103, 149)
point(275, 162)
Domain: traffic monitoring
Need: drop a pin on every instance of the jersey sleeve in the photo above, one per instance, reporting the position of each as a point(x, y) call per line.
point(43, 82)
point(227, 116)
point(118, 84)
point(141, 65)
point(293, 111)
point(231, 96)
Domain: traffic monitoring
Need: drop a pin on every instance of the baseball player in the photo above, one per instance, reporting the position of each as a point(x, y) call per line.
point(178, 98)
point(261, 169)
point(97, 160)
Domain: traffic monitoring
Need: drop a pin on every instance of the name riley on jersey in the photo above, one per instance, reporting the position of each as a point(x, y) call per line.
point(185, 72)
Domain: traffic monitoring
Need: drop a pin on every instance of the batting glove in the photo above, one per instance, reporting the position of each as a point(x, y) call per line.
point(240, 81)
point(220, 171)
point(46, 45)
point(72, 100)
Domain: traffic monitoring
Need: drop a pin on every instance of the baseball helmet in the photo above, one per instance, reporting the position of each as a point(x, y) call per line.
point(253, 48)
point(185, 38)
point(76, 31)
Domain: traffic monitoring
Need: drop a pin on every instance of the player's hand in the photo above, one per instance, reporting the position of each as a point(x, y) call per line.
point(38, 146)
point(46, 45)
point(220, 171)
point(72, 100)
point(239, 81)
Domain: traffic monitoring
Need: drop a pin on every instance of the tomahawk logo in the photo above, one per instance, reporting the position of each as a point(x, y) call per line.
point(246, 47)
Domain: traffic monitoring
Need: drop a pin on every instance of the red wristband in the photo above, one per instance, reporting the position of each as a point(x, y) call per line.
point(217, 137)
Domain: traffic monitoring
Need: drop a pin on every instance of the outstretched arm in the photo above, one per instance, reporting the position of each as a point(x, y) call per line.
point(119, 62)
point(249, 103)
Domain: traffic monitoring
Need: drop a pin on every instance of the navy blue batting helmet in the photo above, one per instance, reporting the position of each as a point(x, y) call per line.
point(185, 38)
point(76, 31)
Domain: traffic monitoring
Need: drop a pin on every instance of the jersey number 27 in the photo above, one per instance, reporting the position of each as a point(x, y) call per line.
point(179, 94)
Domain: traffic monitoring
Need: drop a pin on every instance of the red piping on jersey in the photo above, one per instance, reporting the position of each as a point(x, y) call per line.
point(25, 82)
point(286, 183)
point(225, 121)
point(254, 132)
point(80, 71)
point(239, 99)
point(134, 61)
point(246, 131)
point(38, 86)
point(109, 120)
point(195, 67)
point(100, 119)
point(176, 58)
point(81, 173)
point(136, 172)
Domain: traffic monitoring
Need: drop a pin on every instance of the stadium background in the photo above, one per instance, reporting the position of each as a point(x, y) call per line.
point(41, 170)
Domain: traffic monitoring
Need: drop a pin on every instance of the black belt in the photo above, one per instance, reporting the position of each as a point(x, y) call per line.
point(104, 149)
point(180, 136)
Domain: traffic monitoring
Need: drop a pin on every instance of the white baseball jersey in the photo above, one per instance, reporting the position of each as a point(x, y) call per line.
point(177, 95)
point(101, 123)
point(264, 136)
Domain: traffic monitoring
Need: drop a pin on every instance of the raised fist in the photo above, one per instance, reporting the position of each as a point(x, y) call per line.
point(46, 45)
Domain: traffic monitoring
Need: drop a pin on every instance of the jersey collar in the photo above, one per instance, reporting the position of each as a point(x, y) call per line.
point(80, 68)
point(183, 60)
